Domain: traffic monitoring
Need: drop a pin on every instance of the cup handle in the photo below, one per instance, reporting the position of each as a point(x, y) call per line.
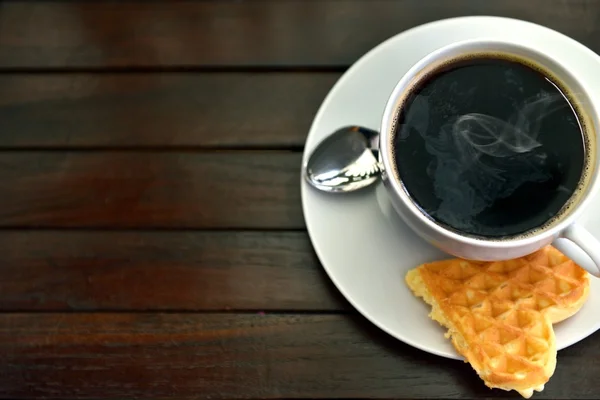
point(579, 236)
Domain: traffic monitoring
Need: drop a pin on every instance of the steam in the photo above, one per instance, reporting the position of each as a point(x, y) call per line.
point(480, 133)
point(480, 158)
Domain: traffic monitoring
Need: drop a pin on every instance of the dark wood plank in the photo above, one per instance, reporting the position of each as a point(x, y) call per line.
point(242, 356)
point(249, 33)
point(232, 110)
point(151, 189)
point(200, 271)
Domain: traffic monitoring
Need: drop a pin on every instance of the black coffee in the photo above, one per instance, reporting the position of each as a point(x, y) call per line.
point(489, 146)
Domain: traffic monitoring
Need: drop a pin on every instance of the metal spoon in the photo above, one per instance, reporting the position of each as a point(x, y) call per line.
point(347, 160)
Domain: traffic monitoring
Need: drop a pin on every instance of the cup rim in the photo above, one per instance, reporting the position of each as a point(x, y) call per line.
point(398, 190)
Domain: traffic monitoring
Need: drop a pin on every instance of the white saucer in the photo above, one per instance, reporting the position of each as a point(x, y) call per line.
point(361, 242)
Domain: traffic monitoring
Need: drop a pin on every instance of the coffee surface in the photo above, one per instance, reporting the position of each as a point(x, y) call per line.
point(489, 147)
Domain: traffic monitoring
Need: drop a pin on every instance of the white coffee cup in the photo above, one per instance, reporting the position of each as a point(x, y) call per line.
point(469, 247)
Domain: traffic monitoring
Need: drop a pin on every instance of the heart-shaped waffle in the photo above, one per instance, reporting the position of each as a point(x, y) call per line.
point(499, 315)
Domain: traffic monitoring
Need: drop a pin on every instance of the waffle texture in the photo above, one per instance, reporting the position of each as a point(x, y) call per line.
point(499, 315)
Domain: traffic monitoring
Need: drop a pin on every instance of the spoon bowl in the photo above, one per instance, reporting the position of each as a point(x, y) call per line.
point(347, 160)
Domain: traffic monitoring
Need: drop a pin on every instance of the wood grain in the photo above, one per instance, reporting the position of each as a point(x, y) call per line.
point(249, 33)
point(250, 189)
point(151, 233)
point(233, 110)
point(242, 356)
point(193, 271)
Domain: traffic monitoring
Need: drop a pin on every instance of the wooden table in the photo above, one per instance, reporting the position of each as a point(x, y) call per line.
point(152, 243)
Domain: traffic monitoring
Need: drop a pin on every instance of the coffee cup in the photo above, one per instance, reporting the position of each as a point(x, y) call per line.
point(486, 144)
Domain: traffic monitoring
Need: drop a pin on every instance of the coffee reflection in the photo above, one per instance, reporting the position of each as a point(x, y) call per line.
point(489, 146)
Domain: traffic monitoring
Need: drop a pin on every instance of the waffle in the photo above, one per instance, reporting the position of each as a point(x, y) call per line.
point(499, 315)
